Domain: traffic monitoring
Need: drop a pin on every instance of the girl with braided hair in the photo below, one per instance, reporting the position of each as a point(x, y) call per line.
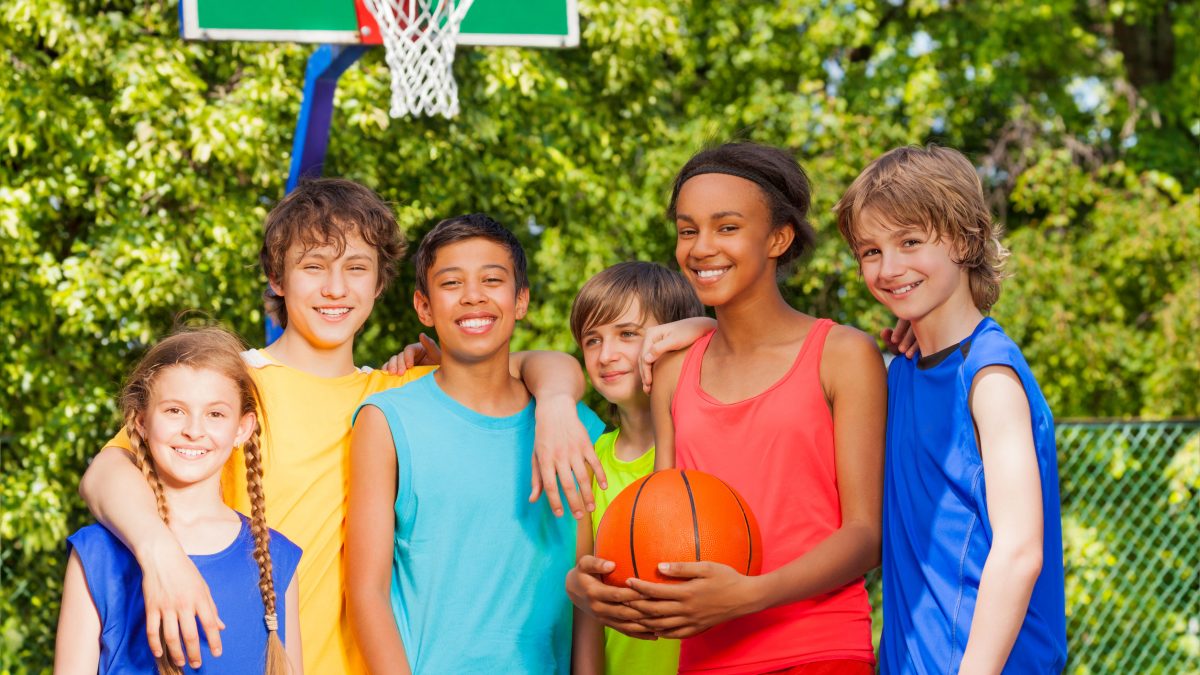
point(188, 405)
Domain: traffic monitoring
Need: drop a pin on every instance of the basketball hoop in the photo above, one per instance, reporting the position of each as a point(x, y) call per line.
point(419, 37)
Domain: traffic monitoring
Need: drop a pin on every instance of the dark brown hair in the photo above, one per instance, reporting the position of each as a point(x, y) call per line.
point(783, 184)
point(323, 212)
point(218, 350)
point(935, 190)
point(460, 228)
point(660, 292)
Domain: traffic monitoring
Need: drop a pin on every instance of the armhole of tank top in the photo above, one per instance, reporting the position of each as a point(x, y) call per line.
point(691, 360)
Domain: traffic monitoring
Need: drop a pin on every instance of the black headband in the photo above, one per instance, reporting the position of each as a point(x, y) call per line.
point(752, 176)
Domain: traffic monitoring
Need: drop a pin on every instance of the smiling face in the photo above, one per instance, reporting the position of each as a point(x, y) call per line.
point(725, 243)
point(910, 271)
point(610, 355)
point(473, 302)
point(329, 295)
point(192, 422)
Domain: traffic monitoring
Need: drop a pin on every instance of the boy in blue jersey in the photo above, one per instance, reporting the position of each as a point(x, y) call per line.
point(449, 580)
point(972, 536)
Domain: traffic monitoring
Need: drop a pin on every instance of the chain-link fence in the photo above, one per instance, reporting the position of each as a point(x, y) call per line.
point(1131, 516)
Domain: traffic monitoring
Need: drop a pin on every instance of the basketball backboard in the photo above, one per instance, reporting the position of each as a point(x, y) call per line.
point(521, 23)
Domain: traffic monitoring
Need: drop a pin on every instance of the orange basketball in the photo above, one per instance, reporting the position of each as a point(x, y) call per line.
point(677, 516)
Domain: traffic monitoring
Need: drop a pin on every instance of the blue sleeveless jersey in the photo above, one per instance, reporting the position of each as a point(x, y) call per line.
point(936, 529)
point(477, 571)
point(115, 583)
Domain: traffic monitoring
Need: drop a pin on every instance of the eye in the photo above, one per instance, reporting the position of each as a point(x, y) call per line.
point(868, 252)
point(686, 232)
point(493, 280)
point(217, 414)
point(909, 243)
point(630, 334)
point(727, 228)
point(591, 341)
point(450, 283)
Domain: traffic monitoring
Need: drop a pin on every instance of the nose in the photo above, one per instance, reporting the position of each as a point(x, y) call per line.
point(472, 293)
point(335, 284)
point(607, 353)
point(192, 428)
point(890, 266)
point(703, 244)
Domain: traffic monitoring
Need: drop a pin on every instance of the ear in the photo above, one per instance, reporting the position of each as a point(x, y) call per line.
point(522, 303)
point(276, 286)
point(139, 424)
point(424, 309)
point(246, 427)
point(781, 238)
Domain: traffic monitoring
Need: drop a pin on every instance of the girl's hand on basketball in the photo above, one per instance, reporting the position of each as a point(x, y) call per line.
point(609, 604)
point(424, 352)
point(670, 337)
point(901, 339)
point(711, 594)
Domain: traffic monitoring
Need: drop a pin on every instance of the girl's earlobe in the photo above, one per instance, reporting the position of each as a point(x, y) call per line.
point(781, 239)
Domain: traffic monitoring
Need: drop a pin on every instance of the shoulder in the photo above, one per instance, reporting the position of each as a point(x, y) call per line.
point(95, 540)
point(668, 367)
point(388, 381)
point(852, 350)
point(284, 553)
point(399, 389)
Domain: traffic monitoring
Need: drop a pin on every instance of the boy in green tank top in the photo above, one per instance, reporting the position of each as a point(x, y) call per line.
point(608, 319)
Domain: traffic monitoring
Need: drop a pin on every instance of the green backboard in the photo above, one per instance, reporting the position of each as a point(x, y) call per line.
point(523, 23)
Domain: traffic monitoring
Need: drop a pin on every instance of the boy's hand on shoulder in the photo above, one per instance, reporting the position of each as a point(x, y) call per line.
point(563, 454)
point(609, 604)
point(669, 337)
point(424, 352)
point(176, 598)
point(900, 340)
point(711, 594)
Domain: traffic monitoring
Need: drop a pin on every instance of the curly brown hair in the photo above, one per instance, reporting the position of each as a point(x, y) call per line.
point(323, 212)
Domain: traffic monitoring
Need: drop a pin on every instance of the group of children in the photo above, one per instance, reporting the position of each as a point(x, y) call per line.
point(423, 553)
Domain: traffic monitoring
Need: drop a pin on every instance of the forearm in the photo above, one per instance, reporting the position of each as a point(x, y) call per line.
point(375, 629)
point(120, 498)
point(587, 654)
point(842, 557)
point(1004, 590)
point(549, 375)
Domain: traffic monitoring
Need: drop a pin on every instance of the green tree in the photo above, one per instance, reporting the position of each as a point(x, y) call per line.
point(136, 170)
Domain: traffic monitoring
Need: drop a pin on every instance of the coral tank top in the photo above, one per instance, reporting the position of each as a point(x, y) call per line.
point(777, 450)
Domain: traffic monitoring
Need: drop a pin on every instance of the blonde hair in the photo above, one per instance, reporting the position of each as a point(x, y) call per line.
point(217, 350)
point(936, 190)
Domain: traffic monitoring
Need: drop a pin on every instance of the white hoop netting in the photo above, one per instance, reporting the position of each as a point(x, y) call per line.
point(419, 37)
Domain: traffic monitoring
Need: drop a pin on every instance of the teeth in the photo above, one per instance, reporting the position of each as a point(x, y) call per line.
point(905, 289)
point(709, 274)
point(191, 452)
point(476, 323)
point(333, 312)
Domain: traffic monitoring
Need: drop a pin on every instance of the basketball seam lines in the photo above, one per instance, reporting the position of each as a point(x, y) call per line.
point(695, 522)
point(749, 538)
point(632, 520)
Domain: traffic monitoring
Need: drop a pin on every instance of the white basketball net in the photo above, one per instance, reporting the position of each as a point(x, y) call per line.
point(419, 37)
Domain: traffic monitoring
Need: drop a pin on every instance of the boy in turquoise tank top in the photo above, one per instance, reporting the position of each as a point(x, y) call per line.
point(448, 580)
point(608, 320)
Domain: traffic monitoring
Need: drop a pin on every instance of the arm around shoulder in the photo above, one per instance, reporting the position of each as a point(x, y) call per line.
point(176, 595)
point(370, 534)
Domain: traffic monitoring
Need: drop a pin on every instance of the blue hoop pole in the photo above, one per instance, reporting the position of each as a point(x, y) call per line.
point(311, 141)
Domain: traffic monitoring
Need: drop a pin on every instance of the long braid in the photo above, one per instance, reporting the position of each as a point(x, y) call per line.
point(277, 663)
point(145, 464)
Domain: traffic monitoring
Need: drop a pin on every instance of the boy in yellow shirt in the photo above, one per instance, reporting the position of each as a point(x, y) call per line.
point(329, 251)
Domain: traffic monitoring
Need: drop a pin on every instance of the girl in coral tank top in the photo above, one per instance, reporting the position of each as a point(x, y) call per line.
point(789, 410)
